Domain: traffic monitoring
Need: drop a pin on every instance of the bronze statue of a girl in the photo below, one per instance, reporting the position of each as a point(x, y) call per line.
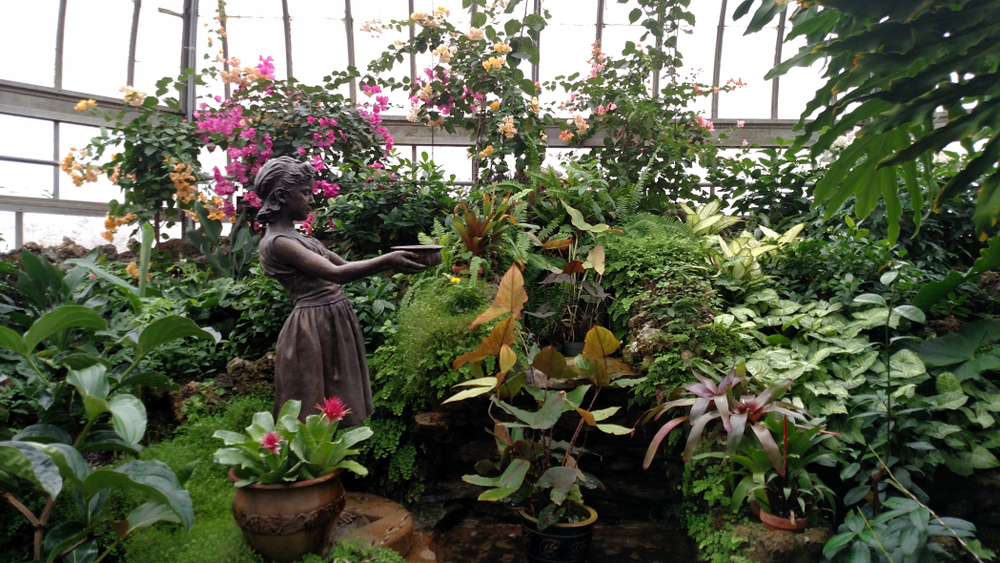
point(320, 351)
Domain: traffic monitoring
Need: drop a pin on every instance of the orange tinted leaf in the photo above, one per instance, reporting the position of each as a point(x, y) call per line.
point(508, 358)
point(599, 342)
point(586, 416)
point(595, 259)
point(502, 334)
point(557, 244)
point(550, 362)
point(573, 267)
point(510, 298)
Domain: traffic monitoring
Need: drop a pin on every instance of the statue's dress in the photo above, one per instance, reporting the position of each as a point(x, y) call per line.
point(321, 350)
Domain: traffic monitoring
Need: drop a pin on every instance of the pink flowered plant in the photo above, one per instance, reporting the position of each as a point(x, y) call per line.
point(333, 409)
point(707, 124)
point(272, 441)
point(251, 199)
point(740, 123)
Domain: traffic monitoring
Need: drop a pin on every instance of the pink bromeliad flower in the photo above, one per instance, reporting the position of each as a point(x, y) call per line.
point(272, 441)
point(334, 408)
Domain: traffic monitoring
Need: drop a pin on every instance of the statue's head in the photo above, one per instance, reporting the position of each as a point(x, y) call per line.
point(276, 180)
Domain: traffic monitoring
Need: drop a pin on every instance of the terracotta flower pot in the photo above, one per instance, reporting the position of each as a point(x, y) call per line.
point(775, 523)
point(562, 543)
point(283, 522)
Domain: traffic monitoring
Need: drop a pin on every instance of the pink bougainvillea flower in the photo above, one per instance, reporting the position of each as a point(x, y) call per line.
point(612, 106)
point(307, 225)
point(745, 143)
point(252, 199)
point(272, 441)
point(318, 163)
point(740, 123)
point(301, 151)
point(333, 408)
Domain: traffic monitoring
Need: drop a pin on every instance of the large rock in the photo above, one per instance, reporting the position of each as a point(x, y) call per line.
point(783, 547)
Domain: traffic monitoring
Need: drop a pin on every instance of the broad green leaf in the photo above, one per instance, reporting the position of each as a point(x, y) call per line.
point(981, 458)
point(580, 223)
point(542, 419)
point(13, 341)
point(154, 479)
point(128, 416)
point(43, 433)
point(90, 382)
point(947, 383)
point(947, 401)
point(26, 462)
point(145, 515)
point(63, 317)
point(615, 429)
point(165, 330)
point(906, 364)
point(870, 298)
point(912, 313)
point(84, 553)
point(73, 468)
point(148, 379)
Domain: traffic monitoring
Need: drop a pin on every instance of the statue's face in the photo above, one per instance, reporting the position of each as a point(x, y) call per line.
point(300, 201)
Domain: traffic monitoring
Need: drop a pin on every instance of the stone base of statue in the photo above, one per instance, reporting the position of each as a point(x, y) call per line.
point(372, 521)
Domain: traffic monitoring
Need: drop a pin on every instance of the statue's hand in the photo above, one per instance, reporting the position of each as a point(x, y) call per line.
point(405, 262)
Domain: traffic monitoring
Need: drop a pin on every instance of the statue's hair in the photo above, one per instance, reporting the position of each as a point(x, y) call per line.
point(279, 176)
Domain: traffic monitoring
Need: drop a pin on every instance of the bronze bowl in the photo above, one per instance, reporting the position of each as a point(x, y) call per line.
point(425, 252)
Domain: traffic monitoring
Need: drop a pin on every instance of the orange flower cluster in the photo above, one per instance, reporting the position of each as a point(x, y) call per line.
point(486, 152)
point(78, 171)
point(111, 225)
point(84, 105)
point(507, 128)
point(183, 179)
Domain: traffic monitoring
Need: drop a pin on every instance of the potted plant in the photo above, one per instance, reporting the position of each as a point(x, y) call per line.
point(287, 477)
point(778, 481)
point(538, 471)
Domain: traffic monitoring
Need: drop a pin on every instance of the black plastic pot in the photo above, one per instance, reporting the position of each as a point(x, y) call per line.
point(559, 543)
point(571, 349)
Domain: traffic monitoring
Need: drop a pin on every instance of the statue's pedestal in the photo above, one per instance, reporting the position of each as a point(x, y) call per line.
point(369, 520)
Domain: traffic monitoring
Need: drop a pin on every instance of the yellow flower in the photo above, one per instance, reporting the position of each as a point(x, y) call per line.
point(418, 16)
point(426, 93)
point(486, 152)
point(501, 48)
point(486, 65)
point(132, 269)
point(84, 104)
point(534, 104)
point(495, 105)
point(507, 128)
point(455, 280)
point(497, 62)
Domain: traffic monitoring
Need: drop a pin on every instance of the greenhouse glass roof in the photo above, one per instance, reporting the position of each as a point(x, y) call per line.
point(83, 49)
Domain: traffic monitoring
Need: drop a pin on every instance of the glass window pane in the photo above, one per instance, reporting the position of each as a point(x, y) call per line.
point(95, 53)
point(319, 39)
point(748, 57)
point(29, 39)
point(255, 32)
point(7, 232)
point(25, 137)
point(452, 160)
point(49, 230)
point(25, 180)
point(799, 85)
point(158, 44)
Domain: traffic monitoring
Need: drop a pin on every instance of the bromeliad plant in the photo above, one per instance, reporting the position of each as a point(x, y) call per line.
point(292, 450)
point(538, 472)
point(790, 488)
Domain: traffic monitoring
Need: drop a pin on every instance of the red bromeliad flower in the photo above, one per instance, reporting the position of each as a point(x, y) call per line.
point(272, 441)
point(334, 408)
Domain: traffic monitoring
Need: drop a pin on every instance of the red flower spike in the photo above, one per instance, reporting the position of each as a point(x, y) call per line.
point(272, 441)
point(334, 408)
